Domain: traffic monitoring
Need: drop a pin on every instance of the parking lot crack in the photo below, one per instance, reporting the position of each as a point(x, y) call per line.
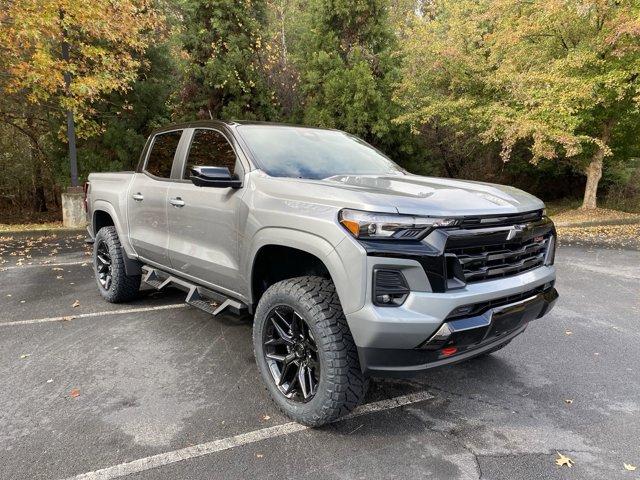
point(449, 437)
point(510, 409)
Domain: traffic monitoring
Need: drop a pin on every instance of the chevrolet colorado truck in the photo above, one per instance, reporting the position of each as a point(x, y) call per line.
point(351, 266)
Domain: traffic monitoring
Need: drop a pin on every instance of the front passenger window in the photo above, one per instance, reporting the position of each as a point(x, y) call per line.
point(209, 148)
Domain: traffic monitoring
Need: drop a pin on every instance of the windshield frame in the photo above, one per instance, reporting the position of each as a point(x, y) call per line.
point(259, 165)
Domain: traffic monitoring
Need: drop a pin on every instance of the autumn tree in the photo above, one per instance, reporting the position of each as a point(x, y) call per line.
point(106, 40)
point(224, 77)
point(554, 75)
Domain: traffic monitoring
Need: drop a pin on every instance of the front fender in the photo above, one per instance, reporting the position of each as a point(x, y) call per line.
point(348, 286)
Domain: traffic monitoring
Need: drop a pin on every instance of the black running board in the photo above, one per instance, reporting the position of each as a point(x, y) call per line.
point(202, 298)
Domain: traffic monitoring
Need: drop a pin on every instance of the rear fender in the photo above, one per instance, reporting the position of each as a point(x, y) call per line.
point(131, 264)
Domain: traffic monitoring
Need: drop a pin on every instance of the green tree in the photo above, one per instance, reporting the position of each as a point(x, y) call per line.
point(555, 75)
point(127, 118)
point(348, 67)
point(224, 76)
point(286, 24)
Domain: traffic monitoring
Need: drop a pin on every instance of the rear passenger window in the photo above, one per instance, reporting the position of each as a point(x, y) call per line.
point(162, 151)
point(209, 148)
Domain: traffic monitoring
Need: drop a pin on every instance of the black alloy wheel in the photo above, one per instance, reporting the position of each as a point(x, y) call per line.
point(109, 268)
point(305, 351)
point(291, 354)
point(103, 265)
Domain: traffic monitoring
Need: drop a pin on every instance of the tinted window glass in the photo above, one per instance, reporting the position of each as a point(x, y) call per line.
point(209, 148)
point(314, 153)
point(162, 152)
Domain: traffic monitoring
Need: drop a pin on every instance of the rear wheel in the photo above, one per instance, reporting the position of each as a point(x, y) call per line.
point(108, 263)
point(305, 351)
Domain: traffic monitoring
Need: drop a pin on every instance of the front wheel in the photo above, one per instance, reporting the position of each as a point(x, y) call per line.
point(305, 351)
point(108, 263)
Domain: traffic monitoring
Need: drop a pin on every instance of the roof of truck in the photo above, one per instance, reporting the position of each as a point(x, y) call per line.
point(228, 123)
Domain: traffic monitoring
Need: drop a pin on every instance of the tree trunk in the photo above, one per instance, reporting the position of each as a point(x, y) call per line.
point(594, 170)
point(594, 174)
point(39, 199)
point(39, 191)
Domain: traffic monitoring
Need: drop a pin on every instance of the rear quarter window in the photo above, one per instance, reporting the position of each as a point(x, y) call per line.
point(163, 149)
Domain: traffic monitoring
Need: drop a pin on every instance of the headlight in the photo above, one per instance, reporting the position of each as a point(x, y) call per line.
point(380, 226)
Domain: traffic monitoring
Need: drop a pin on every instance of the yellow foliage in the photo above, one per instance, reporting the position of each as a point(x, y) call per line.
point(105, 38)
point(551, 72)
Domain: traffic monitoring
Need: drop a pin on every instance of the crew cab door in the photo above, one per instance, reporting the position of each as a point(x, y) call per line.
point(147, 199)
point(203, 221)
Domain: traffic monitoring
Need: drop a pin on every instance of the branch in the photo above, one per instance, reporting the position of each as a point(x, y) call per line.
point(27, 134)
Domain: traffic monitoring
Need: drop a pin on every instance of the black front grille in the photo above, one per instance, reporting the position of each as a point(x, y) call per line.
point(501, 260)
point(496, 251)
point(501, 220)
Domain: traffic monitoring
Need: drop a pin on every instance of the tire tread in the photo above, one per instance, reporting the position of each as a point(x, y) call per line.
point(346, 384)
point(123, 287)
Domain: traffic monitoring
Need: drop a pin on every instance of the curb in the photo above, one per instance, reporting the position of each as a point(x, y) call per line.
point(44, 231)
point(598, 223)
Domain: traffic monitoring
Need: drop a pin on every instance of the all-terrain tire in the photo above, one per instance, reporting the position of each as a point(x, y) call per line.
point(122, 287)
point(341, 385)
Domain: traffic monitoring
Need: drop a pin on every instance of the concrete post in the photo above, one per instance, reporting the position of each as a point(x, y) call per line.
point(73, 214)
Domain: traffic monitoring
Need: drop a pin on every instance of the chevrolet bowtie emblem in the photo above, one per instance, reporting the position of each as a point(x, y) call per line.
point(514, 230)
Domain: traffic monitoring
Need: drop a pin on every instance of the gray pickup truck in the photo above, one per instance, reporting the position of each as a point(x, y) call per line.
point(351, 266)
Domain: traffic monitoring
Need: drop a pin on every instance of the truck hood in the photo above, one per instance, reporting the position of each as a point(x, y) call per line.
point(407, 194)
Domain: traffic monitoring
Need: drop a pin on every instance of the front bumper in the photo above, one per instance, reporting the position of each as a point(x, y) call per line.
point(467, 337)
point(422, 313)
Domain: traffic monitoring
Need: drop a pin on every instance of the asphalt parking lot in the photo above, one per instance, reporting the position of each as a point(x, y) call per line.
point(155, 389)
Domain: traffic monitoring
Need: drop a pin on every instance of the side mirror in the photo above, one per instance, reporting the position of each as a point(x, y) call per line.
point(218, 177)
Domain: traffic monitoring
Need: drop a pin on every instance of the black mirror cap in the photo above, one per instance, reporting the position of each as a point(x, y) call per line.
point(217, 177)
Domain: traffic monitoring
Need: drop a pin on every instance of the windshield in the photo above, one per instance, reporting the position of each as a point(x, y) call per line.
point(300, 152)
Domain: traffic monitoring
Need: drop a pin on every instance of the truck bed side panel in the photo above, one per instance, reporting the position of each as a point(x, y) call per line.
point(109, 193)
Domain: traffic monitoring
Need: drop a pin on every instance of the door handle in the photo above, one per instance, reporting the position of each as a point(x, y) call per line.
point(138, 197)
point(176, 202)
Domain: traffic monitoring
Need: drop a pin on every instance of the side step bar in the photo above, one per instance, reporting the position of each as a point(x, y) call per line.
point(200, 297)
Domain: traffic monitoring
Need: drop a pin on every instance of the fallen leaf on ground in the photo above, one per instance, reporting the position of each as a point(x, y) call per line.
point(629, 467)
point(259, 455)
point(50, 380)
point(563, 461)
point(569, 401)
point(57, 269)
point(25, 355)
point(266, 417)
point(76, 304)
point(75, 393)
point(568, 332)
point(59, 277)
point(68, 318)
